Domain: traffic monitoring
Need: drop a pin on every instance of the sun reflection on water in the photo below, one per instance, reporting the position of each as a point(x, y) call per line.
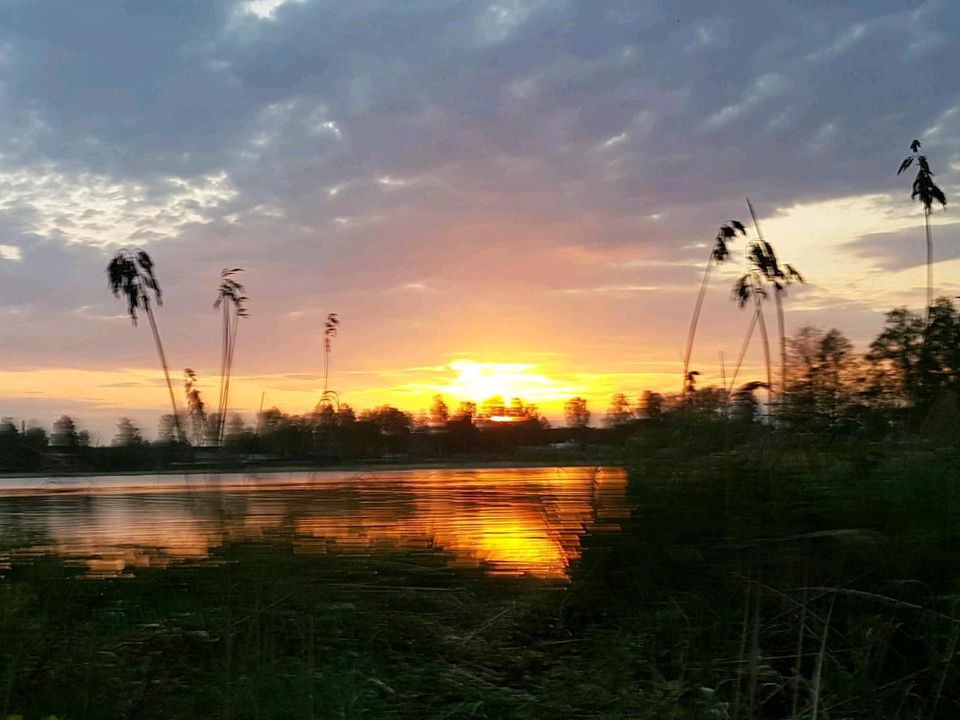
point(509, 521)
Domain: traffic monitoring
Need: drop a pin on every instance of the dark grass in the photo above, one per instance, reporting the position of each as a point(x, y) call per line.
point(762, 577)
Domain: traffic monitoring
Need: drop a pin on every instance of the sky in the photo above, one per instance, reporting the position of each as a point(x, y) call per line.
point(513, 196)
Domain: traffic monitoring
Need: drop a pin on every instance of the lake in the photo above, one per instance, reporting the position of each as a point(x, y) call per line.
point(505, 521)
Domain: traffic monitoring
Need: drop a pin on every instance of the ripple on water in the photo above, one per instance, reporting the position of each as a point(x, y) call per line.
point(511, 521)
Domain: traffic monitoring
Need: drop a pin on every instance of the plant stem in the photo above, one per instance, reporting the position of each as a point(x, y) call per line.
point(166, 372)
point(798, 666)
point(821, 656)
point(781, 326)
point(232, 346)
point(926, 223)
point(766, 346)
point(743, 351)
point(694, 321)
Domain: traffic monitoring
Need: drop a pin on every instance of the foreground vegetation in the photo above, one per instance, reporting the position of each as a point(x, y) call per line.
point(762, 574)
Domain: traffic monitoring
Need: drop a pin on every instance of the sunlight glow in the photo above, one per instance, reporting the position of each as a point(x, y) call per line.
point(478, 381)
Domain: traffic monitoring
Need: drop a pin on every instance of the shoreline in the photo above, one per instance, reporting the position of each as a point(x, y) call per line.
point(607, 460)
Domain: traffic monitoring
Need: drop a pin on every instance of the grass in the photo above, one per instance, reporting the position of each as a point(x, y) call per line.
point(767, 577)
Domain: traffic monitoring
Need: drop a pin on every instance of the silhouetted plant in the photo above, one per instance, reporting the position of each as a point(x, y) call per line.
point(131, 275)
point(752, 286)
point(330, 327)
point(926, 190)
point(763, 259)
point(719, 253)
point(231, 299)
point(196, 412)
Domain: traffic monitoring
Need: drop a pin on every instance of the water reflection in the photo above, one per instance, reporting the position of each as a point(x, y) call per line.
point(510, 521)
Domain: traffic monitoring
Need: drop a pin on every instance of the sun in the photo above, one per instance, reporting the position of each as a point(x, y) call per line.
point(476, 382)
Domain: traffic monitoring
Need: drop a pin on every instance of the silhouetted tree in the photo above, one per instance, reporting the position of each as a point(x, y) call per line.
point(619, 412)
point(719, 253)
point(128, 434)
point(940, 353)
point(131, 275)
point(898, 350)
point(575, 412)
point(650, 406)
point(466, 410)
point(493, 407)
point(388, 419)
point(439, 413)
point(166, 429)
point(927, 191)
point(35, 437)
point(65, 433)
point(822, 365)
point(231, 300)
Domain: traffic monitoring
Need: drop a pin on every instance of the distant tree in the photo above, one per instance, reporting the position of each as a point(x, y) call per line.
point(575, 412)
point(822, 365)
point(65, 433)
point(388, 419)
point(439, 413)
point(35, 437)
point(521, 410)
point(231, 300)
point(8, 430)
point(940, 353)
point(467, 411)
point(235, 432)
point(212, 430)
point(650, 406)
point(898, 350)
point(709, 400)
point(927, 191)
point(619, 412)
point(10, 443)
point(719, 252)
point(131, 275)
point(493, 406)
point(167, 429)
point(128, 434)
point(346, 416)
point(421, 420)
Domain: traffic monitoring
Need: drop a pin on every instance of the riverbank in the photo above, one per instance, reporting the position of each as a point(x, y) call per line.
point(608, 456)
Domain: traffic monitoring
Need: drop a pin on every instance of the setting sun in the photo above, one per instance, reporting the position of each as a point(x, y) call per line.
point(478, 381)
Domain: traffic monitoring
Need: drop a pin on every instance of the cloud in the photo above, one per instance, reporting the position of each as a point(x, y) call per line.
point(549, 170)
point(905, 249)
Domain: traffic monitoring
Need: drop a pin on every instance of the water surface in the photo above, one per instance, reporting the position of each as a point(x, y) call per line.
point(515, 521)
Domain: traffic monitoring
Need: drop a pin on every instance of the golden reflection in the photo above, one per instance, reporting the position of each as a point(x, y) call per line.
point(508, 521)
